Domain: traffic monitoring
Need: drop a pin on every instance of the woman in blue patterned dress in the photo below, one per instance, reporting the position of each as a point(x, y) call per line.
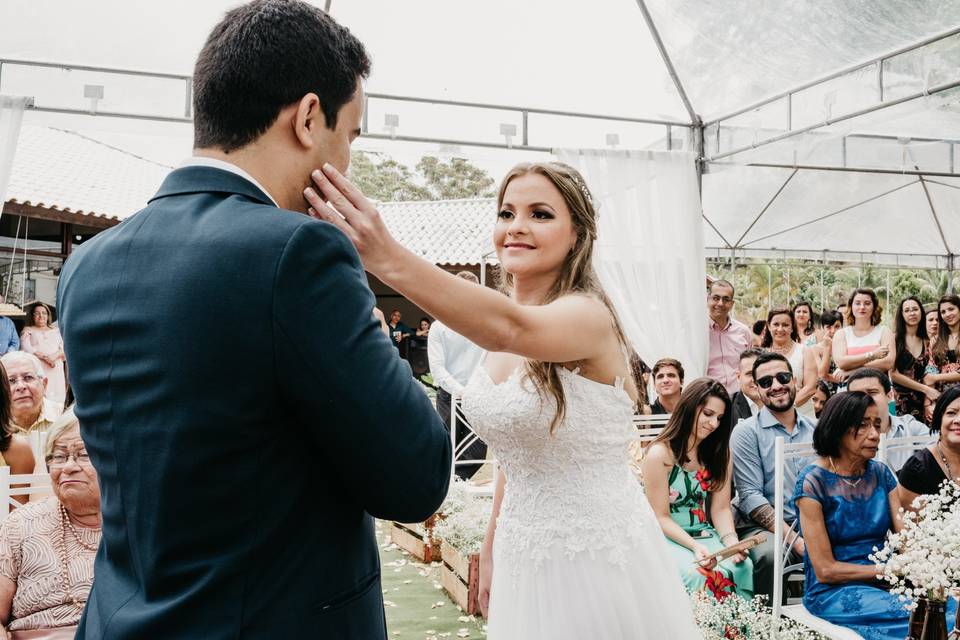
point(847, 503)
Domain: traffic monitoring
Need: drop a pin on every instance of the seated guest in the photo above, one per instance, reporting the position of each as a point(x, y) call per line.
point(746, 402)
point(752, 447)
point(30, 410)
point(848, 503)
point(688, 460)
point(758, 330)
point(823, 350)
point(15, 451)
point(910, 365)
point(945, 350)
point(668, 383)
point(47, 547)
point(820, 397)
point(782, 338)
point(876, 384)
point(640, 372)
point(805, 318)
point(926, 469)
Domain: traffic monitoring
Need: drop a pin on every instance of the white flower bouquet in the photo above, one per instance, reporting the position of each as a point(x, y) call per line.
point(923, 560)
point(463, 517)
point(737, 619)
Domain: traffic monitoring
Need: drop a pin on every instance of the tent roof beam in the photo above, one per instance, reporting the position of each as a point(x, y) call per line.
point(814, 167)
point(831, 121)
point(833, 213)
point(655, 34)
point(836, 74)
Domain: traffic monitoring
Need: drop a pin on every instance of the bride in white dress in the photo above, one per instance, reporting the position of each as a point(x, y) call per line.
point(573, 549)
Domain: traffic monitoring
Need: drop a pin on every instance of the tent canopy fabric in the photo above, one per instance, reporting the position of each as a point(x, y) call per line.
point(822, 127)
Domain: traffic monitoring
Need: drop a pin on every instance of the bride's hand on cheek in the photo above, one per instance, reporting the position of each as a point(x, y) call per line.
point(337, 201)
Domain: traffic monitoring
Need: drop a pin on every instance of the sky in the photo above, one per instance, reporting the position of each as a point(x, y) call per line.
point(594, 57)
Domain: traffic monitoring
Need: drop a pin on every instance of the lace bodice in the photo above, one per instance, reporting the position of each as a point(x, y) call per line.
point(572, 490)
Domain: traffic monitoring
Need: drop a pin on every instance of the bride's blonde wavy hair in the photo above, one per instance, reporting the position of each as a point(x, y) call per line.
point(576, 274)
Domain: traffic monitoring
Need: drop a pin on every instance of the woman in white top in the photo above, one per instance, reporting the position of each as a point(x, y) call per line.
point(863, 342)
point(781, 336)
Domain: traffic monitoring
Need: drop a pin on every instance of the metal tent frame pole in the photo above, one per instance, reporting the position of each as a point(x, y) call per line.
point(655, 34)
point(836, 74)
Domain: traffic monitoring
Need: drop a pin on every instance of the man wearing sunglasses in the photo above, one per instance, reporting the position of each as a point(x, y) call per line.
point(752, 446)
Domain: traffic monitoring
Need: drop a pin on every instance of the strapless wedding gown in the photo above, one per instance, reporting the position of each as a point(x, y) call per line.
point(578, 553)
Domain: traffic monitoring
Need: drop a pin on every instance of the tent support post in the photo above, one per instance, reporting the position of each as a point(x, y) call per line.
point(950, 264)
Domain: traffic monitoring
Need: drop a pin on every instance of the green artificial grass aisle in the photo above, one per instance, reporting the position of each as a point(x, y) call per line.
point(417, 608)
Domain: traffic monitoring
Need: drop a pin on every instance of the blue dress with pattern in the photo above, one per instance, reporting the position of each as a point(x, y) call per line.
point(857, 519)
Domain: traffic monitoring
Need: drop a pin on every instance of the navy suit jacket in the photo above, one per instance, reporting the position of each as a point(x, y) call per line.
point(242, 445)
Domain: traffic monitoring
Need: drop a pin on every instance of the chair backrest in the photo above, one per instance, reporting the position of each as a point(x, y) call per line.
point(460, 448)
point(15, 485)
point(781, 551)
point(910, 443)
point(649, 427)
point(38, 444)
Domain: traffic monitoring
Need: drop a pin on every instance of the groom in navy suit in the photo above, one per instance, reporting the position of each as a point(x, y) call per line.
point(244, 447)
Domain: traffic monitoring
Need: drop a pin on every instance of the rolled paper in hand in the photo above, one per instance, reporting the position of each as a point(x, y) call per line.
point(739, 547)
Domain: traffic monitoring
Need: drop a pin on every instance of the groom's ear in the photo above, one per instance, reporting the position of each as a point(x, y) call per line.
point(308, 120)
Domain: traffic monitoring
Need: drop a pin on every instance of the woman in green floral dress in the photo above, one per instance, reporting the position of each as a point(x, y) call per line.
point(689, 460)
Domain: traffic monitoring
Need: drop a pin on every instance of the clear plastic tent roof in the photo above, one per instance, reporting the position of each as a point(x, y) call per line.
point(861, 97)
point(731, 53)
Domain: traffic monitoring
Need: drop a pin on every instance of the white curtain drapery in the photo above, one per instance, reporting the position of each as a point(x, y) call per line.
point(649, 254)
point(11, 116)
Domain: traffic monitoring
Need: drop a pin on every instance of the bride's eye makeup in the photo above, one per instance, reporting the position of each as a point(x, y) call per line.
point(541, 214)
point(505, 215)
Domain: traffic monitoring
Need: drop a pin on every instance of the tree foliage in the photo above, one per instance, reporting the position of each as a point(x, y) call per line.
point(456, 178)
point(761, 287)
point(390, 181)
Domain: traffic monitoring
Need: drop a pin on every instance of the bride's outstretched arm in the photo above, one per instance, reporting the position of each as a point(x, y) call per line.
point(486, 551)
point(487, 318)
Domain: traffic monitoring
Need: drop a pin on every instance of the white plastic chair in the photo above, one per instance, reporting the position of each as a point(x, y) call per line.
point(649, 427)
point(26, 484)
point(38, 444)
point(911, 444)
point(781, 552)
point(459, 448)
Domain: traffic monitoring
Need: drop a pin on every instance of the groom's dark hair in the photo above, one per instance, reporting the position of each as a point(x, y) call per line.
point(264, 56)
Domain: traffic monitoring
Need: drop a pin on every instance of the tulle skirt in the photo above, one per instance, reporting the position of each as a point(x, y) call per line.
point(588, 596)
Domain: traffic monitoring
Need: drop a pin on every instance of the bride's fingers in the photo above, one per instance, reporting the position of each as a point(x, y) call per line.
point(354, 195)
point(319, 209)
point(334, 196)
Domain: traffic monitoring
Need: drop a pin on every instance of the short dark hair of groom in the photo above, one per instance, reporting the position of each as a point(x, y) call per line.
point(267, 55)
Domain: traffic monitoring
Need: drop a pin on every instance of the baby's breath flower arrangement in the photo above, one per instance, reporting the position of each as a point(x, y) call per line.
point(923, 560)
point(737, 619)
point(463, 517)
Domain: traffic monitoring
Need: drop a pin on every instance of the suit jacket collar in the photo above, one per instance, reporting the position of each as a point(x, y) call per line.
point(200, 179)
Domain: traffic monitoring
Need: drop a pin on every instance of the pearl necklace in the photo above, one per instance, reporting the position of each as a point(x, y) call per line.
point(62, 549)
point(837, 473)
point(782, 350)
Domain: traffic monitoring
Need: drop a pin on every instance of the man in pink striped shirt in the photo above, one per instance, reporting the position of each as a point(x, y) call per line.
point(728, 337)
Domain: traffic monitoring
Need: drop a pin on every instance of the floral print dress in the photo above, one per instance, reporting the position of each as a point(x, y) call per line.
point(688, 493)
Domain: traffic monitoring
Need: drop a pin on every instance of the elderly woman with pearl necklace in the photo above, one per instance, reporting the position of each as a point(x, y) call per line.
point(47, 547)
